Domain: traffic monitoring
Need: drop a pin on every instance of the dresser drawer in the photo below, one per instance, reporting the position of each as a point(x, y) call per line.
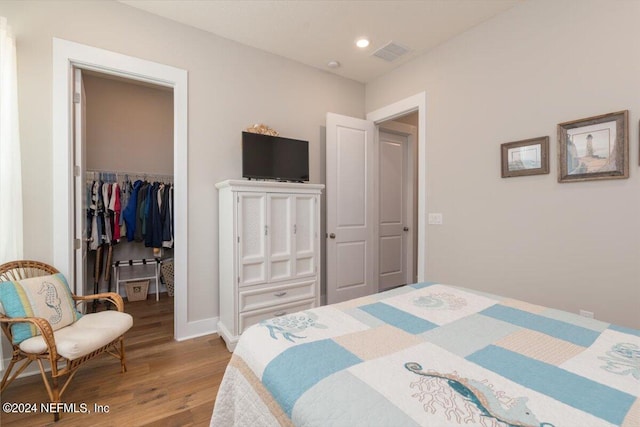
point(252, 317)
point(269, 296)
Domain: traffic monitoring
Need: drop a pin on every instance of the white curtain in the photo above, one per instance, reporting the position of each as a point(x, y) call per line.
point(10, 170)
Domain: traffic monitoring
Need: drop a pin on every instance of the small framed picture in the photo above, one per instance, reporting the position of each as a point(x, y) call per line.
point(594, 148)
point(526, 157)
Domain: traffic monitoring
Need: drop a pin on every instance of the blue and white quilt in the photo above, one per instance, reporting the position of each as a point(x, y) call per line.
point(432, 355)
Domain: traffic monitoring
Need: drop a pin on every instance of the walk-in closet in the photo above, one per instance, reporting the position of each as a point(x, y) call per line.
point(127, 145)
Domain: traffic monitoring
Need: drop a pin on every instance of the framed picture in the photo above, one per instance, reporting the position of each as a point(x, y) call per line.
point(594, 148)
point(526, 157)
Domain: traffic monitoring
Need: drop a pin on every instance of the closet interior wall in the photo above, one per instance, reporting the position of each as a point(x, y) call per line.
point(129, 134)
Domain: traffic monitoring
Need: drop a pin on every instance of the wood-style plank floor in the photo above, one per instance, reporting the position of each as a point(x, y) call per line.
point(167, 383)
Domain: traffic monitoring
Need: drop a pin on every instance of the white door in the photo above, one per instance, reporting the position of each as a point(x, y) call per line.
point(304, 230)
point(80, 202)
point(395, 201)
point(351, 270)
point(280, 236)
point(252, 237)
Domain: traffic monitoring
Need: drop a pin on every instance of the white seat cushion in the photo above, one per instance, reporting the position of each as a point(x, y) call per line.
point(85, 335)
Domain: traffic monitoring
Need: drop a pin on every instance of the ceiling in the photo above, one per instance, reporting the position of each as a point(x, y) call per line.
point(316, 32)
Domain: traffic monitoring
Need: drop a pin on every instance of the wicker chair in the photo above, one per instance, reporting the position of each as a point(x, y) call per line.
point(60, 365)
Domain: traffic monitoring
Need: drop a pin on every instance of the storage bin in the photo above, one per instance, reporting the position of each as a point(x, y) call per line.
point(137, 291)
point(167, 275)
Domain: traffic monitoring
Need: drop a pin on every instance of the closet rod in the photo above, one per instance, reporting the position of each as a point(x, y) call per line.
point(137, 174)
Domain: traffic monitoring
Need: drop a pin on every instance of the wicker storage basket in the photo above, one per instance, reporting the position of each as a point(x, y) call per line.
point(137, 291)
point(167, 275)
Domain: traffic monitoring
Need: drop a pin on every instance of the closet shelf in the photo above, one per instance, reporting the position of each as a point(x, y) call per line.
point(112, 175)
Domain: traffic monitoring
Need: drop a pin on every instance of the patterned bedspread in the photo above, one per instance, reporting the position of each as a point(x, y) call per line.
point(432, 355)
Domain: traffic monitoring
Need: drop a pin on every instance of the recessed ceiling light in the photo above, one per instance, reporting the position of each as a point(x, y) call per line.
point(333, 64)
point(362, 42)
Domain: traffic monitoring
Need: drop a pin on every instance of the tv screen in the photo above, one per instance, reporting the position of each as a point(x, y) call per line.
point(274, 157)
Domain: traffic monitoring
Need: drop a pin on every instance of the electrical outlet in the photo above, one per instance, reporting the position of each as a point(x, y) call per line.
point(585, 313)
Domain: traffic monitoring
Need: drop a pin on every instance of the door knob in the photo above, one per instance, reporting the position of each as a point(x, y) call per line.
point(332, 236)
point(406, 229)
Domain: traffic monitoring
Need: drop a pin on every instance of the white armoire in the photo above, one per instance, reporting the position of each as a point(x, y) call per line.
point(269, 252)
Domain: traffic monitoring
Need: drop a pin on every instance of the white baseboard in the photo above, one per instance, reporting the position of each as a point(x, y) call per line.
point(230, 340)
point(199, 328)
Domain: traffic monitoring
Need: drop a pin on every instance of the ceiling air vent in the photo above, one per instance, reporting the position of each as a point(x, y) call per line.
point(390, 52)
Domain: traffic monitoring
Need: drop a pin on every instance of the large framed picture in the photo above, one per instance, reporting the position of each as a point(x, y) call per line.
point(526, 157)
point(594, 148)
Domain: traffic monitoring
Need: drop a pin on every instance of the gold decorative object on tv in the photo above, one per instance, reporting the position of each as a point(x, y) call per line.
point(262, 129)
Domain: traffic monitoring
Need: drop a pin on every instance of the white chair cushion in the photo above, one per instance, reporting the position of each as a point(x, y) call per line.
point(85, 335)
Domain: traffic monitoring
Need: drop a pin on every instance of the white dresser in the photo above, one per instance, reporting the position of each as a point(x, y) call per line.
point(269, 252)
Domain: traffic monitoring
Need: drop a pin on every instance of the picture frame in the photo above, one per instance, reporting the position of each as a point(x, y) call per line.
point(594, 148)
point(526, 157)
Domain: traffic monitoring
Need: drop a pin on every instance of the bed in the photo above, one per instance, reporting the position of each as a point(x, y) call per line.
point(429, 354)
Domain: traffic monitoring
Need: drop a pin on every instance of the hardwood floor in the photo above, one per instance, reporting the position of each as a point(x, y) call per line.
point(167, 383)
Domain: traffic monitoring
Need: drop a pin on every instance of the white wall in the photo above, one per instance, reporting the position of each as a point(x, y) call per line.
point(568, 246)
point(129, 126)
point(230, 87)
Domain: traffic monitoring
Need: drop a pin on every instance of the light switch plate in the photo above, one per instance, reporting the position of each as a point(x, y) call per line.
point(435, 218)
point(585, 313)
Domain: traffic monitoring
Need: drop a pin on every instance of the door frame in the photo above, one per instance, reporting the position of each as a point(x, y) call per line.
point(66, 55)
point(79, 147)
point(408, 132)
point(413, 103)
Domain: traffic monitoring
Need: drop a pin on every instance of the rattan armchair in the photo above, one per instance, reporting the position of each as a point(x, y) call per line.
point(60, 365)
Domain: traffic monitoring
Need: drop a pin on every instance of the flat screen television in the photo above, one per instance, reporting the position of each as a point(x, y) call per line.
point(274, 157)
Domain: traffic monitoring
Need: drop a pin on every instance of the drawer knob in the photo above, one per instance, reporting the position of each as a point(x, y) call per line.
point(280, 294)
point(280, 313)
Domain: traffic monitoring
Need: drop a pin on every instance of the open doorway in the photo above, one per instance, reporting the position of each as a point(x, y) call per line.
point(66, 56)
point(124, 136)
point(397, 201)
point(403, 109)
point(352, 199)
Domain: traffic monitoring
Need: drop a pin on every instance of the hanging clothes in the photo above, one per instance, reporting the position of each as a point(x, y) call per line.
point(106, 216)
point(115, 211)
point(147, 215)
point(167, 217)
point(138, 235)
point(153, 236)
point(94, 207)
point(90, 213)
point(147, 211)
point(130, 211)
point(125, 192)
point(118, 207)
